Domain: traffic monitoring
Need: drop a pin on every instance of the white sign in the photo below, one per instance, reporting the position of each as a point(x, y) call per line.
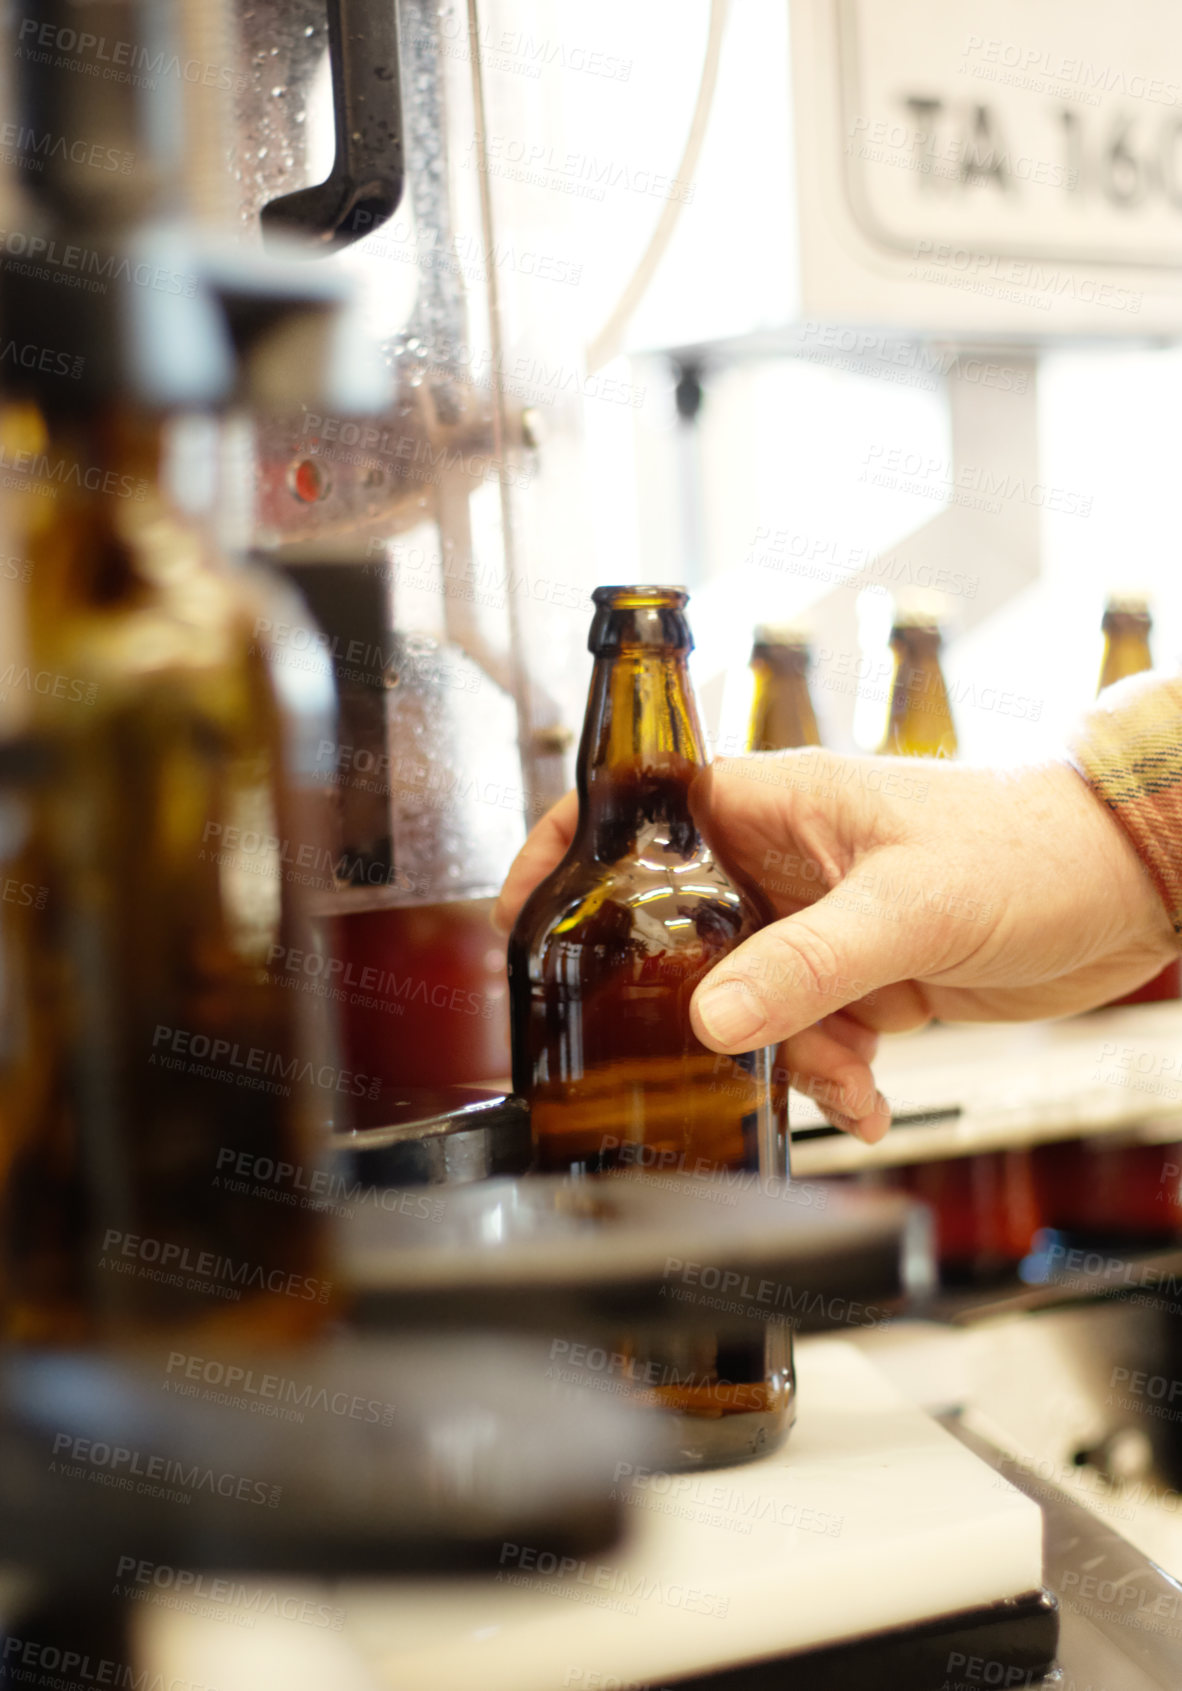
point(991, 166)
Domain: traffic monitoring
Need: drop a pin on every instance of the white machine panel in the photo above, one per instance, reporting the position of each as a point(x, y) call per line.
point(988, 167)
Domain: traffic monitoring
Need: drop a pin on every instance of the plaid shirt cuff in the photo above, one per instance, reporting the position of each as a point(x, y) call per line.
point(1129, 750)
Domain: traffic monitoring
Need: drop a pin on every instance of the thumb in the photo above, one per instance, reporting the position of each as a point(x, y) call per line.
point(796, 971)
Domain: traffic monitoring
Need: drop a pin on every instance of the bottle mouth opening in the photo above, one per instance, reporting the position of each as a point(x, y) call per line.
point(1126, 619)
point(630, 619)
point(640, 598)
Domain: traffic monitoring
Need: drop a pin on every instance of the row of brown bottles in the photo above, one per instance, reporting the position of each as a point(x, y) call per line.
point(919, 717)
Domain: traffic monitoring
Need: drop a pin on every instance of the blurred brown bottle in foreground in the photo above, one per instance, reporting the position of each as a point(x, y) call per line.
point(603, 962)
point(159, 1079)
point(158, 1093)
point(782, 715)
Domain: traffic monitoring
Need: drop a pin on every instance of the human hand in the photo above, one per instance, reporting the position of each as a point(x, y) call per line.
point(904, 890)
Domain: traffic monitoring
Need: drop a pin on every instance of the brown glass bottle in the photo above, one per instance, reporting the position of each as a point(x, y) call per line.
point(782, 714)
point(159, 1103)
point(603, 962)
point(160, 1081)
point(1126, 626)
point(919, 717)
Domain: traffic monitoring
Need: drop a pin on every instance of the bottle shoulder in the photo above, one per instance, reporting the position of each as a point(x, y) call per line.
point(666, 902)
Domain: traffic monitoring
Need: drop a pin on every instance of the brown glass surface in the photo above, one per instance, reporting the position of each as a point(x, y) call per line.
point(782, 715)
point(919, 718)
point(150, 1049)
point(1090, 1187)
point(421, 992)
point(986, 1210)
point(1126, 644)
point(603, 962)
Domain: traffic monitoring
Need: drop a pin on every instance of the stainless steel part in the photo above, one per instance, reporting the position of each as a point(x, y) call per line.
point(427, 788)
point(446, 1137)
point(431, 495)
point(365, 183)
point(1118, 1609)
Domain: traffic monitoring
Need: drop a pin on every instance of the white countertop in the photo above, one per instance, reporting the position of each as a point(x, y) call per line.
point(1014, 1084)
point(871, 1517)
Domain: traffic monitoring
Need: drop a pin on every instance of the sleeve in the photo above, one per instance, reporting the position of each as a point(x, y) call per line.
point(1129, 750)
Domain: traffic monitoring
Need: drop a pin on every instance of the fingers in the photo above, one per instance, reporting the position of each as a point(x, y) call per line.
point(543, 850)
point(900, 1008)
point(845, 1026)
point(837, 1076)
point(795, 972)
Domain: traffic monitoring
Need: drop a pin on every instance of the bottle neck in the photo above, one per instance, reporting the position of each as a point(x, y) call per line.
point(642, 746)
point(782, 713)
point(1126, 647)
point(919, 723)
